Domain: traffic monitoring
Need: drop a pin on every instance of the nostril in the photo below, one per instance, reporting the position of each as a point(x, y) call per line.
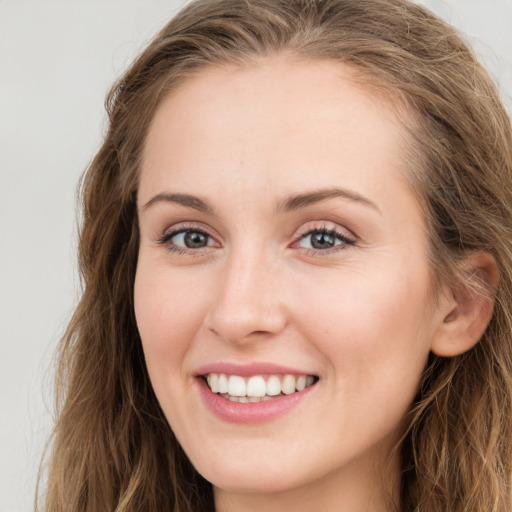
point(240, 317)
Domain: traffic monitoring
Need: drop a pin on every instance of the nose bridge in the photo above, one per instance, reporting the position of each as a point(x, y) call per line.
point(247, 302)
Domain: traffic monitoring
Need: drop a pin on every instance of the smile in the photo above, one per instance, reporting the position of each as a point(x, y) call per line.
point(256, 388)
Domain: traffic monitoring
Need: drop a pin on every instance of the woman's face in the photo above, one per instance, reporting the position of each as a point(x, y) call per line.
point(281, 247)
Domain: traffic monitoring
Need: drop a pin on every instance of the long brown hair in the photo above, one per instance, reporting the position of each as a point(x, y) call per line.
point(112, 448)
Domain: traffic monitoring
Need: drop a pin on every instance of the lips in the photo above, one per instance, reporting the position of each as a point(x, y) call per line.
point(252, 393)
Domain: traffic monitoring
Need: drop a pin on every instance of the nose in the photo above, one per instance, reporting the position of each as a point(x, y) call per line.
point(248, 304)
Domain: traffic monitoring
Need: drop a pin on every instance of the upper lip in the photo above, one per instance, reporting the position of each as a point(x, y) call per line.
point(247, 370)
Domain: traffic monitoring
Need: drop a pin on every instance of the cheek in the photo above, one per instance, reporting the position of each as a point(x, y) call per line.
point(168, 316)
point(374, 330)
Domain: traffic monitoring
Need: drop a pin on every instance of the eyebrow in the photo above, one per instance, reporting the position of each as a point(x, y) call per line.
point(302, 200)
point(289, 204)
point(183, 199)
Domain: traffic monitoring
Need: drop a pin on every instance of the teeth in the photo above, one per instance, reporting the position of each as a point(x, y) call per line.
point(236, 386)
point(246, 399)
point(213, 382)
point(223, 384)
point(288, 384)
point(256, 388)
point(273, 386)
point(301, 383)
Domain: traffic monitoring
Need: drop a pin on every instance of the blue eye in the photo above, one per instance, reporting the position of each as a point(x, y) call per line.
point(323, 239)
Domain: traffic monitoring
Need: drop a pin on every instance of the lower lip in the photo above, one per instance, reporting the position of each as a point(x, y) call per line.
point(259, 412)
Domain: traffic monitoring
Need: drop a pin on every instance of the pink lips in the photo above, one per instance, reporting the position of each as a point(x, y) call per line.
point(248, 413)
point(246, 370)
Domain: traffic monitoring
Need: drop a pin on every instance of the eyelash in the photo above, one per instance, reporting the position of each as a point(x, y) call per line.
point(338, 235)
point(331, 231)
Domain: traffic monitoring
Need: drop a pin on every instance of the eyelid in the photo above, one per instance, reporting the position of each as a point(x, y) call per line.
point(325, 226)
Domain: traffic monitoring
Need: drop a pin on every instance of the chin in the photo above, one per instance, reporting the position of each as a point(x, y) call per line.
point(250, 478)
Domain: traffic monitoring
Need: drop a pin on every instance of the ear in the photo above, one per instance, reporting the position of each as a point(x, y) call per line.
point(467, 309)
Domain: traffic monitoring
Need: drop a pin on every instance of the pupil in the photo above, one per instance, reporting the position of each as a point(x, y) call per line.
point(322, 241)
point(193, 239)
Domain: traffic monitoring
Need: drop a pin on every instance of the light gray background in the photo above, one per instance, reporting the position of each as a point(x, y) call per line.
point(57, 60)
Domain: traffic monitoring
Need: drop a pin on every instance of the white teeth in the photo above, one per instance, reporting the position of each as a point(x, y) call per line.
point(213, 382)
point(273, 386)
point(256, 388)
point(246, 399)
point(236, 386)
point(288, 384)
point(301, 383)
point(223, 384)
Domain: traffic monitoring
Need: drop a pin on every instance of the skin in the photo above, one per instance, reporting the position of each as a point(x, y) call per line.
point(361, 316)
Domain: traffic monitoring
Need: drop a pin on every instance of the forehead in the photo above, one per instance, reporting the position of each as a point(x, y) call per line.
point(278, 123)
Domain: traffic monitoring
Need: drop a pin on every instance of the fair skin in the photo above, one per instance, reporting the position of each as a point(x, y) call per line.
point(335, 286)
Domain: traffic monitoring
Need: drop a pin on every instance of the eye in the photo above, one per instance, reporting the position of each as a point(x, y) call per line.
point(184, 240)
point(324, 239)
point(191, 239)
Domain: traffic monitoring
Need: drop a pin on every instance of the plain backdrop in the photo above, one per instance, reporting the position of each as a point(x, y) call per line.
point(57, 60)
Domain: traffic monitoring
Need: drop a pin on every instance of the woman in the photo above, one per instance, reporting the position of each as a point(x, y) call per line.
point(297, 278)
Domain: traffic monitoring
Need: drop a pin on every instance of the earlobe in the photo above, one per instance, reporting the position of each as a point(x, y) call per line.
point(468, 308)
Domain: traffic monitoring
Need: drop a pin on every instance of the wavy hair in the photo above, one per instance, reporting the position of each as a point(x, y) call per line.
point(112, 448)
